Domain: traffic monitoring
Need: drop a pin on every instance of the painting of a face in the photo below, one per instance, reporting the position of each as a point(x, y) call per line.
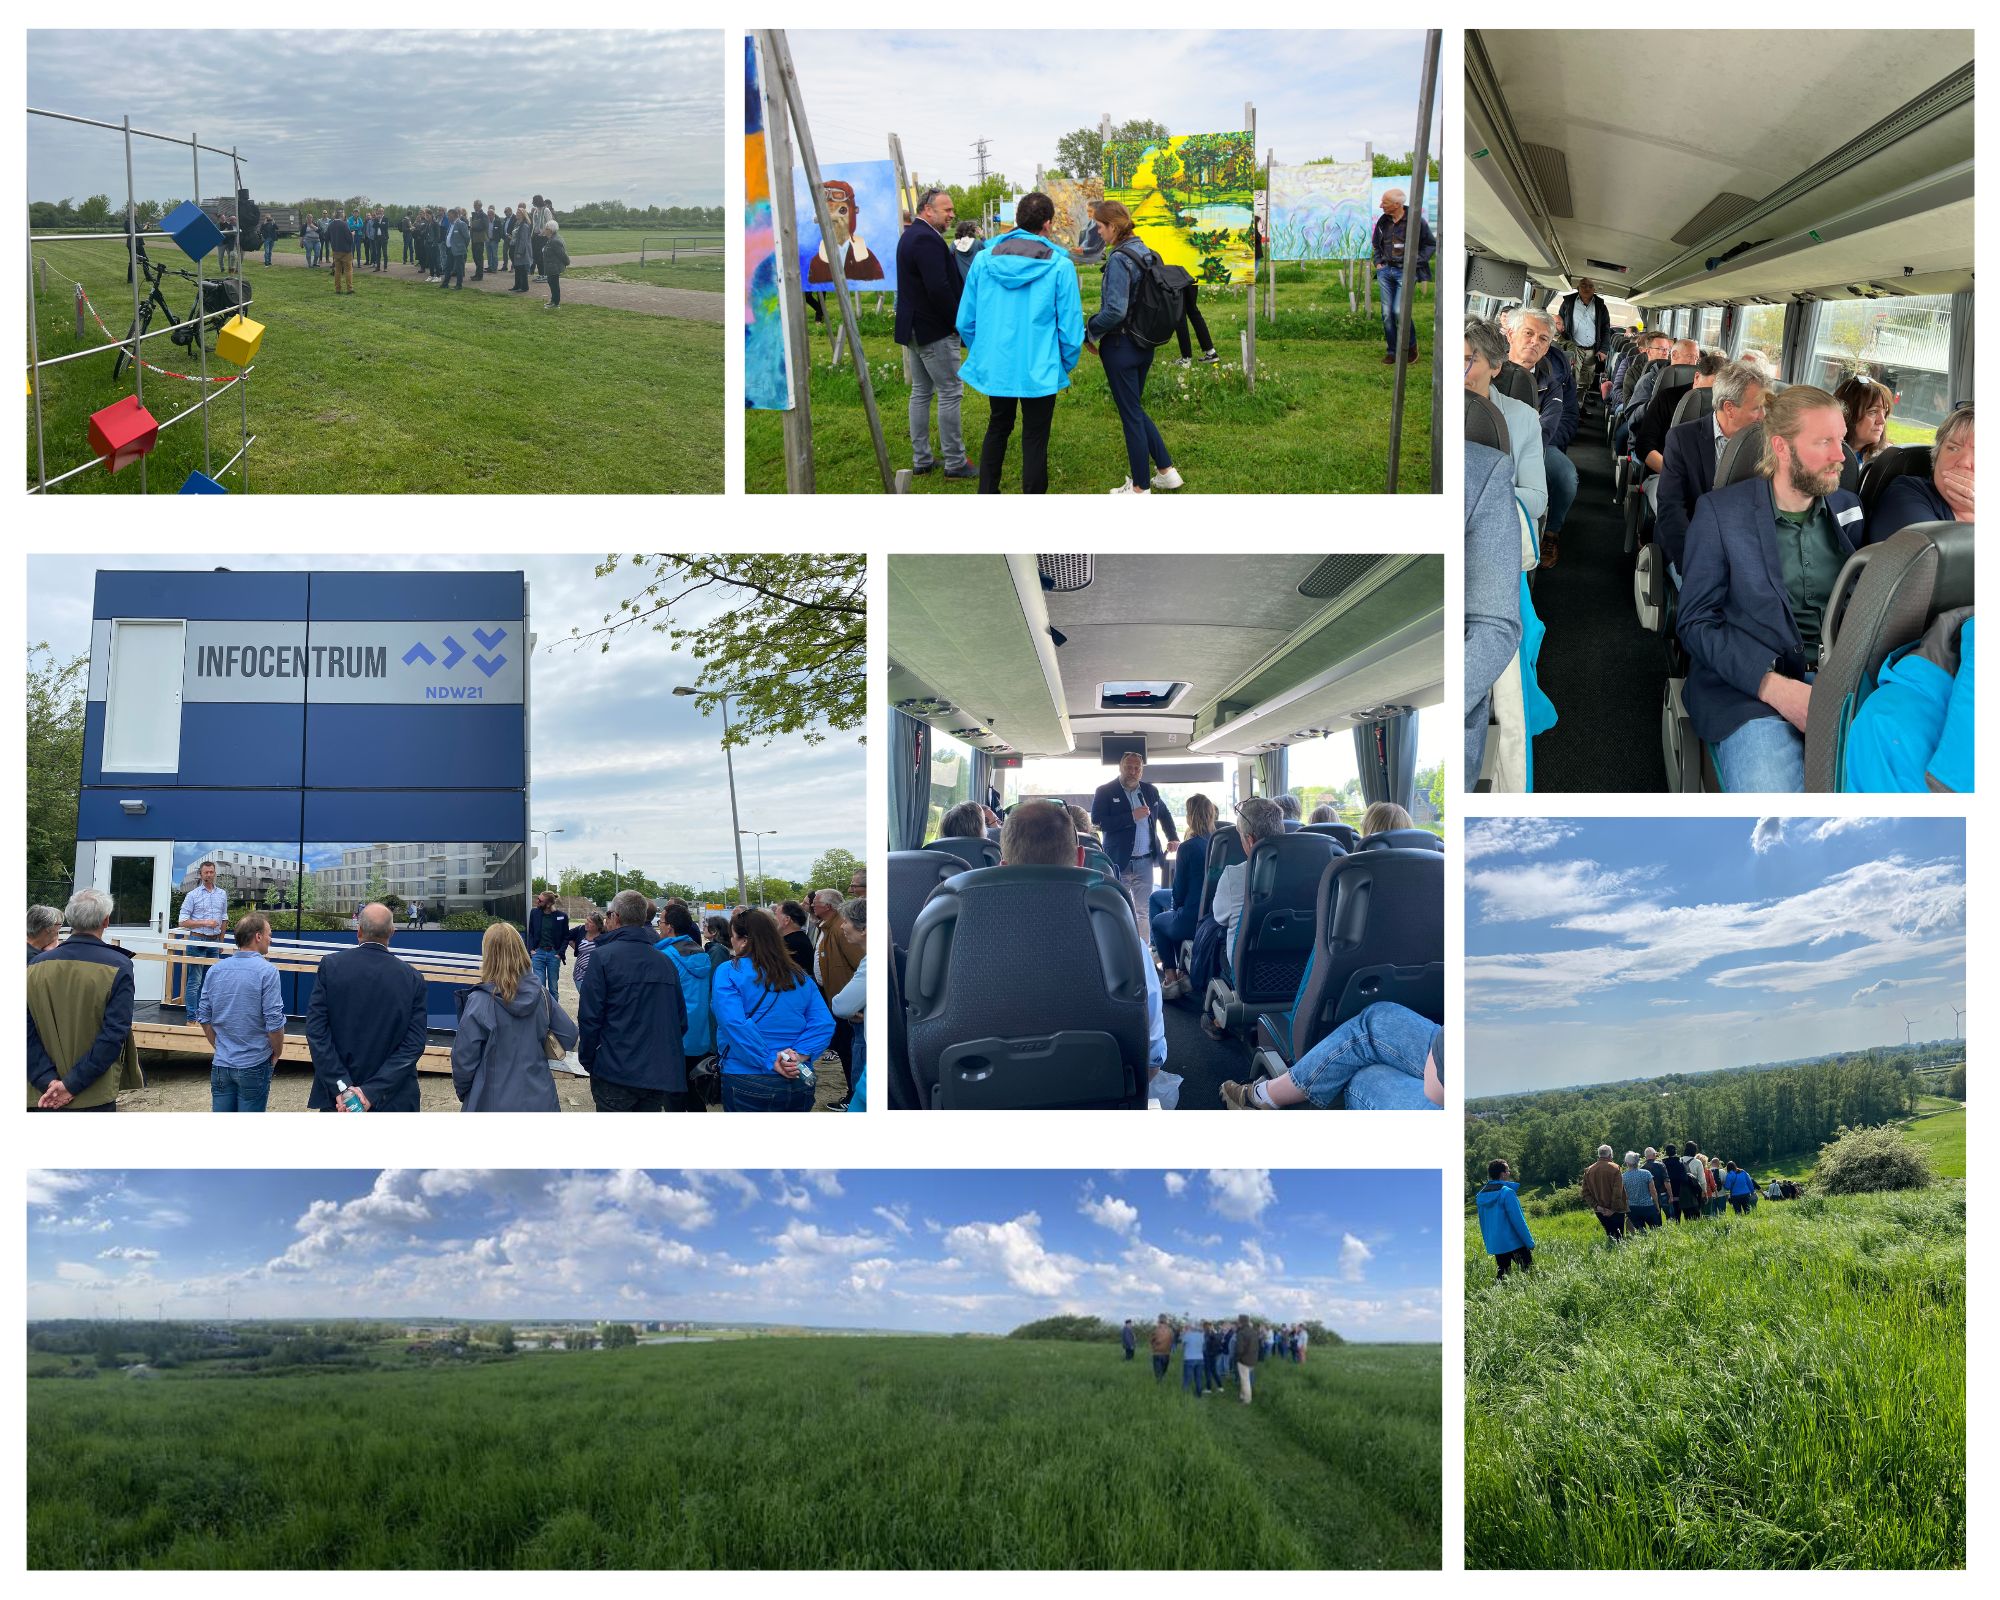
point(841, 207)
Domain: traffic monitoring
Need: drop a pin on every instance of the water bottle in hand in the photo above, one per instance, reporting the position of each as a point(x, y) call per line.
point(348, 1095)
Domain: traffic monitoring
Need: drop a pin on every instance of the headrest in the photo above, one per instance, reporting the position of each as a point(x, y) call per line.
point(1484, 423)
point(1740, 456)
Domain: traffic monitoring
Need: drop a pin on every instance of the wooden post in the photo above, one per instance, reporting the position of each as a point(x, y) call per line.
point(778, 52)
point(79, 319)
point(1437, 350)
point(799, 467)
point(1250, 300)
point(1367, 266)
point(1270, 261)
point(1413, 228)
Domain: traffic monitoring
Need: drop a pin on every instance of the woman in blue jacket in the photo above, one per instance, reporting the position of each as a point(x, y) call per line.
point(1126, 360)
point(1172, 912)
point(681, 944)
point(771, 1022)
point(1501, 1223)
point(1021, 318)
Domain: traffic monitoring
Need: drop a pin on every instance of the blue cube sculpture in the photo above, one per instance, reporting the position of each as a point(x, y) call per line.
point(201, 483)
point(192, 228)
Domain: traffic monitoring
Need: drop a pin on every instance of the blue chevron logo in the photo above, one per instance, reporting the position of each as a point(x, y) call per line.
point(454, 652)
point(489, 664)
point(417, 653)
point(488, 640)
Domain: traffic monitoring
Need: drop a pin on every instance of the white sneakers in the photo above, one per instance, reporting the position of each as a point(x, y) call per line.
point(1126, 488)
point(1170, 479)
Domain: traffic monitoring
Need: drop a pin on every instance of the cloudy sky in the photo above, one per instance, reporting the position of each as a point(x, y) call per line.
point(1317, 94)
point(1601, 950)
point(396, 115)
point(934, 1251)
point(619, 762)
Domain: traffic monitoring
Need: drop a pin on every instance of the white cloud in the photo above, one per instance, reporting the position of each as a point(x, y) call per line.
point(47, 1187)
point(1176, 1181)
point(126, 1252)
point(1833, 827)
point(1515, 836)
point(1682, 1002)
point(1862, 997)
point(792, 1199)
point(1354, 1258)
point(1240, 1194)
point(824, 1179)
point(78, 1272)
point(808, 1239)
point(1551, 889)
point(897, 1216)
point(1111, 1212)
point(1769, 832)
point(1015, 1250)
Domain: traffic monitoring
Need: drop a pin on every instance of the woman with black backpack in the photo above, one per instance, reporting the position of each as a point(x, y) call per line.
point(1137, 312)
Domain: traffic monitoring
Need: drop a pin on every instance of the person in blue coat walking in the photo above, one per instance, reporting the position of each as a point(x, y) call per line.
point(1021, 317)
point(1501, 1222)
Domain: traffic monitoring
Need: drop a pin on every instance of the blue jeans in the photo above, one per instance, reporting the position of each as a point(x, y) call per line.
point(1137, 882)
point(239, 1088)
point(1159, 1369)
point(191, 985)
point(1561, 473)
point(1126, 363)
point(765, 1091)
point(1377, 1058)
point(493, 254)
point(268, 244)
point(548, 970)
point(1193, 1371)
point(1767, 755)
point(1170, 926)
point(1390, 281)
point(312, 252)
point(934, 371)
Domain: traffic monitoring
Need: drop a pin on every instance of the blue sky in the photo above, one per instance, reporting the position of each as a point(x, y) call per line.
point(619, 762)
point(1606, 949)
point(937, 1251)
point(397, 115)
point(1317, 93)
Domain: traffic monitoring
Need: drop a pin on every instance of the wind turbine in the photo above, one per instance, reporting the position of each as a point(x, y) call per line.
point(1957, 1020)
point(1906, 1028)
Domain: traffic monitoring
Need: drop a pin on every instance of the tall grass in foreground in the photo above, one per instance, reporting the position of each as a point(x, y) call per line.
point(1784, 1390)
point(795, 1453)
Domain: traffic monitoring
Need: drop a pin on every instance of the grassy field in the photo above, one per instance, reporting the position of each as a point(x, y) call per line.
point(402, 388)
point(690, 272)
point(767, 1453)
point(1785, 1389)
point(1942, 1133)
point(581, 241)
point(1318, 423)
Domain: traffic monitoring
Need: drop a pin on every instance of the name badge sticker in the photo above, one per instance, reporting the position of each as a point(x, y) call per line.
point(1851, 514)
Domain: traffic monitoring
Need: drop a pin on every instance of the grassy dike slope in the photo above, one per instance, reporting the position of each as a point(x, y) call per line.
point(1785, 1389)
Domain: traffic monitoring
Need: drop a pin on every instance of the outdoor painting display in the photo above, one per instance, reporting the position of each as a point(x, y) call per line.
point(861, 196)
point(767, 373)
point(1321, 212)
point(1072, 198)
point(1190, 197)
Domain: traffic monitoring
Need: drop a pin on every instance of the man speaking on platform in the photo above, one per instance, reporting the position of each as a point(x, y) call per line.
point(1133, 821)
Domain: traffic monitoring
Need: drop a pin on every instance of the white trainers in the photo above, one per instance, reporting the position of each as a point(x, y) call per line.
point(1126, 488)
point(1170, 479)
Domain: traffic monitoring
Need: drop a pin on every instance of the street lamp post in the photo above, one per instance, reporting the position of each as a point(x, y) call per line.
point(758, 834)
point(546, 834)
point(729, 764)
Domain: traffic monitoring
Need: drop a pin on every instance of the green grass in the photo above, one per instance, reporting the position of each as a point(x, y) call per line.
point(581, 241)
point(690, 272)
point(1942, 1133)
point(768, 1453)
point(402, 388)
point(1785, 1389)
point(1909, 432)
point(1318, 423)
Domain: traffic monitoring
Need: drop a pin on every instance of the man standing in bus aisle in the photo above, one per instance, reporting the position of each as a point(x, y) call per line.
point(1391, 272)
point(1135, 826)
point(1586, 324)
point(204, 914)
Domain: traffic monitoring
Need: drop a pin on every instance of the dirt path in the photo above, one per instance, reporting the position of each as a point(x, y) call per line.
point(651, 299)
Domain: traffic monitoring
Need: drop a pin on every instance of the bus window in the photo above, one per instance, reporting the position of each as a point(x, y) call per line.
point(1903, 343)
point(1159, 928)
point(1708, 328)
point(1760, 331)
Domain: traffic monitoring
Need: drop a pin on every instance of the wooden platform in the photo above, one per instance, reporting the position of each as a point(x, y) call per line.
point(157, 1026)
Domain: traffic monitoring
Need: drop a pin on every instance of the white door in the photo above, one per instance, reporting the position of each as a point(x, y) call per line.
point(138, 877)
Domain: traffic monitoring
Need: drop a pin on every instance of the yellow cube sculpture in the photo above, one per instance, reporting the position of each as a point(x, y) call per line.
point(238, 340)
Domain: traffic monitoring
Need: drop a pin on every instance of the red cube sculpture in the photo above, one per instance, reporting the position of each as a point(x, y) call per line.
point(123, 432)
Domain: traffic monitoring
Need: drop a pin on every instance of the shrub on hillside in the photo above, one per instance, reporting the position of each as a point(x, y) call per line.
point(1866, 1160)
point(1081, 1329)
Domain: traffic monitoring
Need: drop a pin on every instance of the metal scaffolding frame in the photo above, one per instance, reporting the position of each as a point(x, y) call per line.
point(210, 393)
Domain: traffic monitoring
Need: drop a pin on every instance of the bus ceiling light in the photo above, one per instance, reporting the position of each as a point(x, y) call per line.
point(132, 808)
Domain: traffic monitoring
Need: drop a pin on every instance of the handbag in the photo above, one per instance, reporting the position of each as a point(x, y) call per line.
point(552, 1047)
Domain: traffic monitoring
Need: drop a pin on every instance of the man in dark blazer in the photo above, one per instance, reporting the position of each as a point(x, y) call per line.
point(1591, 334)
point(366, 1021)
point(1763, 556)
point(1694, 451)
point(1136, 828)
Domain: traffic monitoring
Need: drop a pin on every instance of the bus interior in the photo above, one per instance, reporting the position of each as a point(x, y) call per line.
point(1802, 200)
point(1019, 681)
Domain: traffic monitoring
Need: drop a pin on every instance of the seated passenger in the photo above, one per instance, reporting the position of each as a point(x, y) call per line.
point(1762, 557)
point(966, 820)
point(1388, 1058)
point(1528, 336)
point(1694, 451)
point(1382, 816)
point(1257, 819)
point(1324, 813)
point(1293, 810)
point(1043, 836)
point(1485, 355)
point(1175, 910)
point(1080, 820)
point(1492, 590)
point(1657, 348)
point(1866, 404)
point(1649, 434)
point(1945, 496)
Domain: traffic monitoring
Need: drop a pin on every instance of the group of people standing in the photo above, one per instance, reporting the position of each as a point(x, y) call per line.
point(1210, 1349)
point(438, 241)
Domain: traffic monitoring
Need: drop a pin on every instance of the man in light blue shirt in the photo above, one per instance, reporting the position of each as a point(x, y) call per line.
point(204, 914)
point(1194, 1359)
point(243, 1015)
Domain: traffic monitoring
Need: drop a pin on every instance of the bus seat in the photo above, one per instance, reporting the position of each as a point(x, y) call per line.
point(903, 1094)
point(1274, 933)
point(1740, 456)
point(1897, 461)
point(1347, 838)
point(1026, 988)
point(1894, 591)
point(1095, 860)
point(1518, 383)
point(1694, 405)
point(912, 876)
point(973, 852)
point(1485, 424)
point(1378, 935)
point(1404, 839)
point(1225, 849)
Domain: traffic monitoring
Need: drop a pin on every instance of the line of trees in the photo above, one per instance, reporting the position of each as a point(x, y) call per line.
point(833, 870)
point(96, 212)
point(1748, 1116)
